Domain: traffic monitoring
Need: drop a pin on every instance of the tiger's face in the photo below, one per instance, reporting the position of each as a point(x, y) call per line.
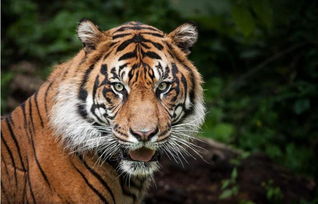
point(141, 96)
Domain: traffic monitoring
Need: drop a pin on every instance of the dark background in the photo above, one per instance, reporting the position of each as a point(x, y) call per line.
point(259, 60)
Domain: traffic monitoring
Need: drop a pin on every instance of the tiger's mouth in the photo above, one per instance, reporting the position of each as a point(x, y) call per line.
point(139, 162)
point(142, 154)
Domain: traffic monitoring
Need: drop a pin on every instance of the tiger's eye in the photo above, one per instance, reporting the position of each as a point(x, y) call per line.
point(118, 87)
point(163, 86)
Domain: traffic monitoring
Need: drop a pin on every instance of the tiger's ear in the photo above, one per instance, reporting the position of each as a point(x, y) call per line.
point(185, 36)
point(89, 34)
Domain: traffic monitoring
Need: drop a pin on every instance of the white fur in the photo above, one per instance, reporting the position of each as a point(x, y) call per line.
point(187, 33)
point(139, 168)
point(69, 126)
point(87, 32)
point(197, 118)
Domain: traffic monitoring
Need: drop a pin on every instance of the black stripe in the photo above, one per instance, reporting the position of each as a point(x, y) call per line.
point(24, 187)
point(86, 75)
point(94, 105)
point(30, 185)
point(192, 79)
point(90, 185)
point(31, 191)
point(166, 72)
point(152, 55)
point(179, 119)
point(124, 44)
point(185, 85)
point(111, 45)
point(127, 192)
point(115, 75)
point(37, 108)
point(103, 69)
point(138, 39)
point(82, 110)
point(153, 34)
point(122, 66)
point(11, 157)
point(144, 45)
point(100, 179)
point(82, 94)
point(31, 115)
point(4, 193)
point(95, 87)
point(120, 35)
point(40, 168)
point(157, 45)
point(45, 96)
point(24, 115)
point(128, 56)
point(193, 82)
point(10, 119)
point(177, 81)
point(16, 143)
point(66, 71)
point(170, 49)
point(107, 54)
point(38, 163)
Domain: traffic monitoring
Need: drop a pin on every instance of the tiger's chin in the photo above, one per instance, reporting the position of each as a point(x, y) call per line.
point(137, 168)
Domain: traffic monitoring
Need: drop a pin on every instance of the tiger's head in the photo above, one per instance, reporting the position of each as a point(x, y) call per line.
point(133, 97)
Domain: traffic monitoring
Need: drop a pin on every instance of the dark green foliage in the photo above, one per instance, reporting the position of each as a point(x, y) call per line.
point(259, 60)
point(273, 193)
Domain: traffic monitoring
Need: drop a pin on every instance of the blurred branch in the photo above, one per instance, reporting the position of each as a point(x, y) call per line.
point(238, 83)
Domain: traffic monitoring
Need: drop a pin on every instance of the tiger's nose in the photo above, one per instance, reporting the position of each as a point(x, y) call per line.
point(144, 135)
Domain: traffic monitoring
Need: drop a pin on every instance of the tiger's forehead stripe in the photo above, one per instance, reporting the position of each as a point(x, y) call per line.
point(137, 41)
point(138, 38)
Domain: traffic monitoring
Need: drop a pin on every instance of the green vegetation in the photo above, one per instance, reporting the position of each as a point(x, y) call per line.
point(259, 60)
point(273, 193)
point(229, 187)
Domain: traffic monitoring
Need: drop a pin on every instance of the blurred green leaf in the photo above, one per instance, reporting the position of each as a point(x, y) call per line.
point(225, 184)
point(6, 78)
point(301, 106)
point(222, 132)
point(234, 174)
point(273, 151)
point(263, 10)
point(226, 194)
point(243, 19)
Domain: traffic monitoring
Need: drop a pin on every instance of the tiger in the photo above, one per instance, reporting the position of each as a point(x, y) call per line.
point(96, 129)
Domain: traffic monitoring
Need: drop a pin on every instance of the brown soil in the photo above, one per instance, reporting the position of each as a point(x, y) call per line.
point(201, 180)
